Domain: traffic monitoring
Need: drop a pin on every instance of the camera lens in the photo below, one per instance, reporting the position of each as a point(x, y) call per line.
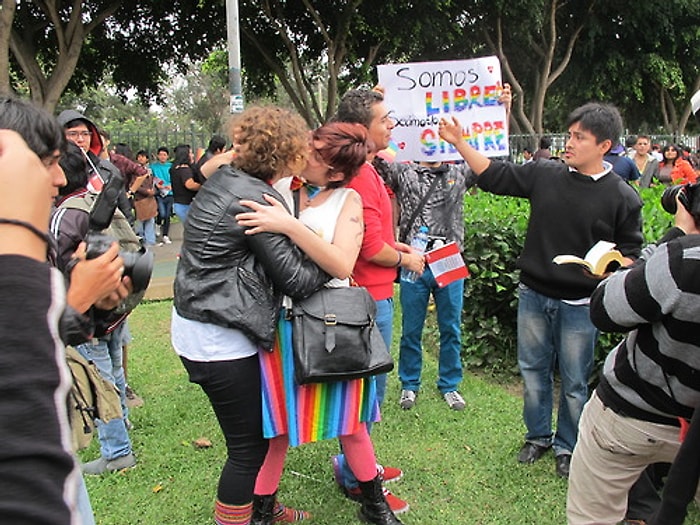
point(668, 199)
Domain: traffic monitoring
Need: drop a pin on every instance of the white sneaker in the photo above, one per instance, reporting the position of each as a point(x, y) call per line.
point(167, 240)
point(455, 401)
point(408, 399)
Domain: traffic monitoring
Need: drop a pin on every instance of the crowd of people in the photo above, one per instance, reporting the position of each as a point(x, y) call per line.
point(287, 211)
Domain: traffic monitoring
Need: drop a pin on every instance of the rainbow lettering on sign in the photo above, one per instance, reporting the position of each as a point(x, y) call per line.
point(483, 136)
point(457, 100)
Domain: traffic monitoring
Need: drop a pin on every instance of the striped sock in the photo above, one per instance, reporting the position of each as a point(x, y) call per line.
point(283, 514)
point(232, 514)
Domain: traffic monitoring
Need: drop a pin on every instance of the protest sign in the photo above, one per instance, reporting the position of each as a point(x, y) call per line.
point(419, 94)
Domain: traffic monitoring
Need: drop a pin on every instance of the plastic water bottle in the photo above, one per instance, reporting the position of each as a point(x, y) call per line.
point(419, 245)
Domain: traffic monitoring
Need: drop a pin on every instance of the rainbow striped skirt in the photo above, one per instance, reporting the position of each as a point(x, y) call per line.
point(313, 412)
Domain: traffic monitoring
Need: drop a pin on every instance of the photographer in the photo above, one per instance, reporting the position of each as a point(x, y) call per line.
point(72, 222)
point(36, 465)
point(640, 410)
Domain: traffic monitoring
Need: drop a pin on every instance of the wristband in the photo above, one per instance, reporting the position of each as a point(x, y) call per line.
point(36, 231)
point(398, 263)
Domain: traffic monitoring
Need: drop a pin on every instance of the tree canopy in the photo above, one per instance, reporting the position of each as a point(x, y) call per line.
point(59, 45)
point(555, 53)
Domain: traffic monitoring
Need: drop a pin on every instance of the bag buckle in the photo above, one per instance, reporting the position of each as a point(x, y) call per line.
point(330, 320)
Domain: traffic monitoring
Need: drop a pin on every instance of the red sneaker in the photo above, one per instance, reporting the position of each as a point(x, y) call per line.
point(389, 474)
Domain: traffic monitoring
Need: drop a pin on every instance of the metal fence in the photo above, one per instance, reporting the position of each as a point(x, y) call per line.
point(151, 141)
point(518, 142)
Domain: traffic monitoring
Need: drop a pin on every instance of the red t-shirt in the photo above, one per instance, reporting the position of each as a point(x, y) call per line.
point(379, 229)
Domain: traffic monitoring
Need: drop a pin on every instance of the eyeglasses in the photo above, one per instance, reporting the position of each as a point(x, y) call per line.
point(76, 134)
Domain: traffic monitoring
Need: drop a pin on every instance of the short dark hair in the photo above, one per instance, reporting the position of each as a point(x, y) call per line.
point(142, 152)
point(602, 120)
point(356, 106)
point(75, 169)
point(163, 148)
point(39, 129)
point(217, 142)
point(124, 149)
point(545, 143)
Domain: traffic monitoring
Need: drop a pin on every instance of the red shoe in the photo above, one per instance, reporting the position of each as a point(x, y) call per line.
point(389, 474)
point(396, 504)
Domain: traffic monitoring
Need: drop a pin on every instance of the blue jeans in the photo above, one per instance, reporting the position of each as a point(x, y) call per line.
point(83, 503)
point(551, 331)
point(385, 321)
point(147, 230)
point(181, 211)
point(414, 305)
point(106, 353)
point(165, 210)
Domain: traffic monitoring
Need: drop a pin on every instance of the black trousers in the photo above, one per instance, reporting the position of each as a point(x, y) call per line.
point(233, 388)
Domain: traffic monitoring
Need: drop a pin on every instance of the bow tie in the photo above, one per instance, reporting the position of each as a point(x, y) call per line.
point(311, 190)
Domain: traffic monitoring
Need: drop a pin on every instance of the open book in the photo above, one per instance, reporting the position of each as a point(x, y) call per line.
point(601, 258)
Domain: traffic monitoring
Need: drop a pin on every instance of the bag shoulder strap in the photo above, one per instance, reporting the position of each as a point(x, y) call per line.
point(421, 204)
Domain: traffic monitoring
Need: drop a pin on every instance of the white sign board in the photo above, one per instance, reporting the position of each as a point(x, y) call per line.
point(419, 94)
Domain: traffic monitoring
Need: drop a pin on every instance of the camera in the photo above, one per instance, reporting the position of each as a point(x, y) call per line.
point(688, 196)
point(138, 261)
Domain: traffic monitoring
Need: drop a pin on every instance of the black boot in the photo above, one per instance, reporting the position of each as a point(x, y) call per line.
point(263, 507)
point(374, 507)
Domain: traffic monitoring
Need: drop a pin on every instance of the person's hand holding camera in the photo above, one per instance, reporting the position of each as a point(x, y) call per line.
point(97, 282)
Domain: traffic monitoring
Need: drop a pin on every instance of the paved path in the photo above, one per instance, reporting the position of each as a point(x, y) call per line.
point(161, 286)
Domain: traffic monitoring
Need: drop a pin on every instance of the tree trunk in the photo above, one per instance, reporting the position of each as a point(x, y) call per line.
point(7, 15)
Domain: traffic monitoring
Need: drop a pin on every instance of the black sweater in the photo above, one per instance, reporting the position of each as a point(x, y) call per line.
point(37, 469)
point(569, 213)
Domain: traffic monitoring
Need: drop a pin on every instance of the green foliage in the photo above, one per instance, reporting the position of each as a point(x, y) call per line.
point(494, 233)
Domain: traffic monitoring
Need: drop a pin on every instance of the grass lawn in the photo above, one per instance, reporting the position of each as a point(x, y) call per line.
point(460, 467)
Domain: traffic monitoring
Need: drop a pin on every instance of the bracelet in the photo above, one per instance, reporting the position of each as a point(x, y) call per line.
point(398, 263)
point(36, 231)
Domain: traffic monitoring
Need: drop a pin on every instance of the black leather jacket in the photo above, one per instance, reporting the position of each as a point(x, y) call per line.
point(227, 278)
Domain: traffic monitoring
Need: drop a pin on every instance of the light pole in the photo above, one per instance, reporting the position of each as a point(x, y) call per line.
point(234, 57)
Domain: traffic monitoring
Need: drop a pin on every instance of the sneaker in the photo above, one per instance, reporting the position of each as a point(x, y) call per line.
point(101, 465)
point(167, 240)
point(389, 474)
point(408, 399)
point(455, 401)
point(396, 504)
point(133, 400)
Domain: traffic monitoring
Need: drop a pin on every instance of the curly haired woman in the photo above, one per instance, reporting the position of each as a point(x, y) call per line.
point(228, 293)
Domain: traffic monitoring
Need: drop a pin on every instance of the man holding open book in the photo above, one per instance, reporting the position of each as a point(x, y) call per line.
point(573, 205)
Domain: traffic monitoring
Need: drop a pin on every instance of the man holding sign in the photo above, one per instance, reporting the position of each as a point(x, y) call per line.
point(572, 206)
point(431, 193)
